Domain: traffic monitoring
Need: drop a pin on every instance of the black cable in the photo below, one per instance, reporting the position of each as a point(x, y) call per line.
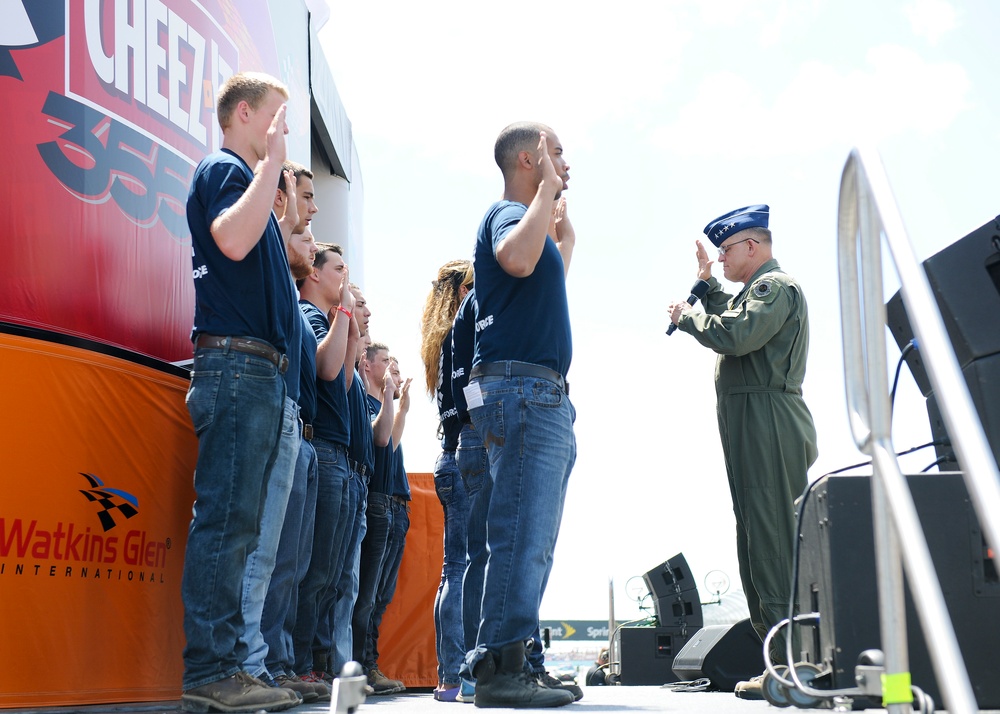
point(796, 549)
point(901, 453)
point(949, 456)
point(910, 346)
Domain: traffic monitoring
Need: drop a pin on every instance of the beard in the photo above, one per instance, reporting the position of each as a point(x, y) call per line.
point(300, 267)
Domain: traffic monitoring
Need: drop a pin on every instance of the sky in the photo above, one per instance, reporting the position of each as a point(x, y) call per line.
point(670, 113)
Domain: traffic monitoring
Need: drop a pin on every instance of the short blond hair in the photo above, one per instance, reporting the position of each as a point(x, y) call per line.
point(251, 87)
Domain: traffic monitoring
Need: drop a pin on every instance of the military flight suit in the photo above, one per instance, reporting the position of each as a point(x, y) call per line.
point(762, 338)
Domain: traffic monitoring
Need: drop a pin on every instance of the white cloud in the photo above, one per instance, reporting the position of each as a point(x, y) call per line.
point(897, 92)
point(931, 19)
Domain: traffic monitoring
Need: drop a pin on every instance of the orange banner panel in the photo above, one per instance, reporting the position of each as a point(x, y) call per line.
point(406, 637)
point(98, 457)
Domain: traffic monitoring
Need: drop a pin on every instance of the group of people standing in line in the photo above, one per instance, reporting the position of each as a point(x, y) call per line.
point(302, 499)
point(301, 504)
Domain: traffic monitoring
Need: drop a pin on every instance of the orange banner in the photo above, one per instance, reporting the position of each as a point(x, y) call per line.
point(406, 637)
point(98, 458)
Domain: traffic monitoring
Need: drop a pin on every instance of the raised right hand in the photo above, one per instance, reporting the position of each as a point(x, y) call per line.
point(276, 148)
point(704, 263)
point(549, 175)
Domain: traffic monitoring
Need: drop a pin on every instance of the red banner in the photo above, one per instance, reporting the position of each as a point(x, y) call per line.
point(109, 105)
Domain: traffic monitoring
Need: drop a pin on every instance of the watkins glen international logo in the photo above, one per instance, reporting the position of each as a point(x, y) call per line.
point(109, 500)
point(73, 548)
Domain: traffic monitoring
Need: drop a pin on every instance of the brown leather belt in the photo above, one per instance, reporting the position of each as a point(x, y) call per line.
point(307, 432)
point(247, 345)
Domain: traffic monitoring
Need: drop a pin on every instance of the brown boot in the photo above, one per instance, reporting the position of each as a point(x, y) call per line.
point(239, 693)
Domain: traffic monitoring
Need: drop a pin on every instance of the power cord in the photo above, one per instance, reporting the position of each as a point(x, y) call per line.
point(796, 556)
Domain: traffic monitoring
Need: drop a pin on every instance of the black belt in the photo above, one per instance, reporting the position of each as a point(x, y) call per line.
point(245, 344)
point(307, 432)
point(519, 369)
point(358, 468)
point(399, 499)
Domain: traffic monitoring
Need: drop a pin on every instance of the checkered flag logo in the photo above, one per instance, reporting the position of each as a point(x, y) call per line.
point(109, 500)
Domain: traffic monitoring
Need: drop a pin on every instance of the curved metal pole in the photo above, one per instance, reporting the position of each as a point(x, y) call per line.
point(979, 468)
point(863, 318)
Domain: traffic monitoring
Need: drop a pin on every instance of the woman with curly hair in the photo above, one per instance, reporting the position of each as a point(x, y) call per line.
point(454, 280)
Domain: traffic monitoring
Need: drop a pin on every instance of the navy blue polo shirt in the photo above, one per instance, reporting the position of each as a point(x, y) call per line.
point(463, 335)
point(332, 420)
point(307, 379)
point(447, 411)
point(524, 319)
point(253, 297)
point(293, 375)
point(381, 481)
point(400, 481)
point(361, 446)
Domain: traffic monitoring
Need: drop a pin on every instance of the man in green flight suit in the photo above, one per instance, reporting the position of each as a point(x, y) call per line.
point(762, 338)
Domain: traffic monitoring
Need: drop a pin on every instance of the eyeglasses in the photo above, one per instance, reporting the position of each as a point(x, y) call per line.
point(723, 249)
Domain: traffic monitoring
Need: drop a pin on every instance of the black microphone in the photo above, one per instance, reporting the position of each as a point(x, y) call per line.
point(699, 291)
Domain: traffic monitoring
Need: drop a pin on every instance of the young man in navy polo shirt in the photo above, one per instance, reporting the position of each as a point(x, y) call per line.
point(328, 305)
point(245, 324)
point(519, 406)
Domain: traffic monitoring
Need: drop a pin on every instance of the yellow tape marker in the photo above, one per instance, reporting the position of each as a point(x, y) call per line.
point(896, 689)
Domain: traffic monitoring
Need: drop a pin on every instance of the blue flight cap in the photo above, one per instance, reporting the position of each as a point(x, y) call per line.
point(723, 227)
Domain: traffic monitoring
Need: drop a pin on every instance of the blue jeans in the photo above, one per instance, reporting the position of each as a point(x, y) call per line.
point(527, 426)
point(341, 611)
point(261, 562)
point(448, 629)
point(379, 526)
point(236, 405)
point(474, 465)
point(390, 576)
point(332, 503)
point(294, 555)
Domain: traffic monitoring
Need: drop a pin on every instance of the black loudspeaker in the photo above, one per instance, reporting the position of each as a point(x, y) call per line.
point(675, 595)
point(965, 280)
point(837, 580)
point(647, 654)
point(983, 379)
point(725, 654)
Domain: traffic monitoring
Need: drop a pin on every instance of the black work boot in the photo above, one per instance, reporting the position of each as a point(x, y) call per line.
point(547, 680)
point(502, 682)
point(321, 661)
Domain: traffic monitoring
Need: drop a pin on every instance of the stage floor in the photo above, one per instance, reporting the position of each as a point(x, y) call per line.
point(605, 700)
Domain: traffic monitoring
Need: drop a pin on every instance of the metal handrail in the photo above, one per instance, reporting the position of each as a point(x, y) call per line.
point(867, 211)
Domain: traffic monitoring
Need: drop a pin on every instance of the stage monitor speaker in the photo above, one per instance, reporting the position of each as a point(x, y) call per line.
point(725, 654)
point(965, 280)
point(647, 654)
point(675, 595)
point(983, 379)
point(837, 580)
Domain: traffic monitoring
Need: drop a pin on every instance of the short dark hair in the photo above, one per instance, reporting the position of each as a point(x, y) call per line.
point(297, 169)
point(321, 256)
point(372, 349)
point(515, 138)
